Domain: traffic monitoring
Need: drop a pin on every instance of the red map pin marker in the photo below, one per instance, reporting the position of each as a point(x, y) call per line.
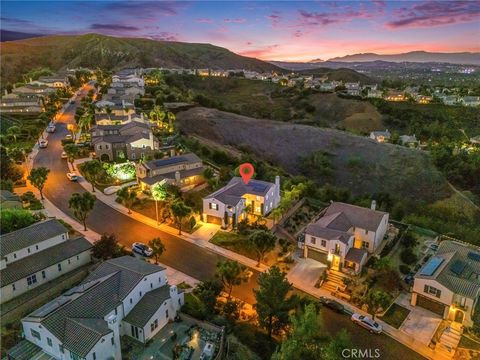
point(246, 172)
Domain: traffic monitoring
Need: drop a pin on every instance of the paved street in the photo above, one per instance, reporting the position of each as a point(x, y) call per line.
point(182, 255)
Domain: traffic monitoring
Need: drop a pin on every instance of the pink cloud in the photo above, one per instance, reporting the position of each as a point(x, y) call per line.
point(204, 20)
point(436, 13)
point(237, 21)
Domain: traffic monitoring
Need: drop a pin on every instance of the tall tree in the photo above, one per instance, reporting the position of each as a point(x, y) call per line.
point(38, 178)
point(261, 242)
point(377, 300)
point(72, 152)
point(82, 204)
point(91, 170)
point(127, 197)
point(273, 300)
point(180, 211)
point(158, 248)
point(231, 273)
point(106, 247)
point(208, 292)
point(159, 193)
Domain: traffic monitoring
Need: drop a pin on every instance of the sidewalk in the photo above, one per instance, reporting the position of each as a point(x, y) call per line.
point(200, 237)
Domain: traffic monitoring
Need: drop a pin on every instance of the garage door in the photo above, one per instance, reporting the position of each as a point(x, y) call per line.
point(214, 220)
point(433, 306)
point(317, 255)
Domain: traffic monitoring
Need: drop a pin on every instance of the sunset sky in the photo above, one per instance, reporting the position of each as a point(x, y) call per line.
point(281, 30)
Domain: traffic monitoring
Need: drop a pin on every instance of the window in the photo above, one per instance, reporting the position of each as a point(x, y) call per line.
point(364, 244)
point(13, 287)
point(43, 274)
point(78, 257)
point(166, 313)
point(63, 236)
point(313, 240)
point(131, 301)
point(99, 147)
point(35, 334)
point(213, 206)
point(94, 356)
point(49, 341)
point(140, 293)
point(116, 312)
point(69, 261)
point(36, 247)
point(432, 291)
point(60, 347)
point(28, 249)
point(151, 286)
point(324, 243)
point(59, 266)
point(14, 256)
point(113, 341)
point(32, 279)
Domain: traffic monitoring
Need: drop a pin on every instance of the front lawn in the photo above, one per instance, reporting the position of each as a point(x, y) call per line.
point(232, 241)
point(395, 315)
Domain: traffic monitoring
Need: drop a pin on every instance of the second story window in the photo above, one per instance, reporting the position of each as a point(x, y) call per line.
point(432, 291)
point(313, 240)
point(35, 334)
point(324, 243)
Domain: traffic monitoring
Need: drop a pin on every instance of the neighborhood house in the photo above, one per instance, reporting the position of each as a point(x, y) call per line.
point(183, 171)
point(345, 235)
point(449, 283)
point(236, 200)
point(37, 254)
point(123, 296)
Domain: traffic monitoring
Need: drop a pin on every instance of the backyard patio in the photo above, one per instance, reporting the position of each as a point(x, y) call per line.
point(187, 339)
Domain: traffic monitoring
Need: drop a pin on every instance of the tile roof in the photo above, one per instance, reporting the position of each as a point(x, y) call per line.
point(355, 255)
point(328, 234)
point(460, 269)
point(26, 350)
point(6, 195)
point(30, 235)
point(188, 158)
point(77, 317)
point(358, 216)
point(233, 192)
point(171, 175)
point(43, 259)
point(148, 306)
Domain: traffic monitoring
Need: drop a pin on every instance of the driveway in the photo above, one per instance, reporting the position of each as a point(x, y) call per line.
point(420, 323)
point(306, 271)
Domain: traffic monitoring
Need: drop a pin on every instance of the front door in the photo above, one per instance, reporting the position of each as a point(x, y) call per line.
point(336, 263)
point(459, 316)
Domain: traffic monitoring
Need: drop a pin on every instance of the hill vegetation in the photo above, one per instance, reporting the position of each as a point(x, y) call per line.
point(110, 53)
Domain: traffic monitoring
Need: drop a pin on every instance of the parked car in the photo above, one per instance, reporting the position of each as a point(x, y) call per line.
point(366, 322)
point(64, 155)
point(68, 137)
point(43, 143)
point(409, 278)
point(142, 249)
point(51, 128)
point(72, 176)
point(332, 304)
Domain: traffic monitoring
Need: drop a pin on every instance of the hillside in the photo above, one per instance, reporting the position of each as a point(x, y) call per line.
point(360, 164)
point(415, 56)
point(93, 50)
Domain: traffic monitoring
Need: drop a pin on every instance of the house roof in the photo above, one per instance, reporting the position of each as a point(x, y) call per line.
point(233, 192)
point(328, 234)
point(26, 350)
point(355, 255)
point(77, 317)
point(385, 133)
point(30, 235)
point(171, 175)
point(358, 216)
point(43, 259)
point(188, 158)
point(6, 195)
point(456, 266)
point(148, 306)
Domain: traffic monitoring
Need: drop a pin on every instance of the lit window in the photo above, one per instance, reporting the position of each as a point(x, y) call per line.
point(213, 206)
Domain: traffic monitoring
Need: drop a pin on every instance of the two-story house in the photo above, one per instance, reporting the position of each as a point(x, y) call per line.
point(133, 140)
point(344, 236)
point(183, 171)
point(232, 203)
point(125, 296)
point(449, 282)
point(37, 254)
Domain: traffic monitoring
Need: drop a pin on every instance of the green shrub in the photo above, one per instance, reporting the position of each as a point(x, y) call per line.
point(404, 269)
point(408, 256)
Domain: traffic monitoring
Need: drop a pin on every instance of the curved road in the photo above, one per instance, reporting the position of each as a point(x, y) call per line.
point(182, 255)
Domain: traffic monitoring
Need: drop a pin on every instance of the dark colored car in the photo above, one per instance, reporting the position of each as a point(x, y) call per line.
point(332, 304)
point(409, 279)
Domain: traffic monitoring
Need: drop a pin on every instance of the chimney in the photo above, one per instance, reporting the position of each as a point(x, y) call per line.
point(374, 205)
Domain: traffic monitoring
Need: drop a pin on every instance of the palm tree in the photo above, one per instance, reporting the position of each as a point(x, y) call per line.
point(82, 204)
point(158, 248)
point(85, 122)
point(127, 197)
point(159, 193)
point(72, 152)
point(180, 211)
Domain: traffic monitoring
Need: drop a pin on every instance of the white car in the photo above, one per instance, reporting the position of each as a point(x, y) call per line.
point(43, 143)
point(51, 128)
point(368, 323)
point(142, 249)
point(68, 137)
point(72, 176)
point(64, 155)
